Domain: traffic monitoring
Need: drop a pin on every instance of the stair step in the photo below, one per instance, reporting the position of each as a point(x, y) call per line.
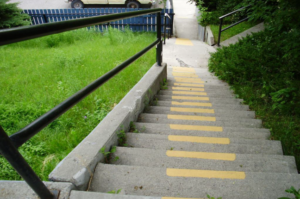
point(198, 93)
point(193, 89)
point(97, 195)
point(177, 159)
point(232, 106)
point(198, 99)
point(272, 148)
point(195, 76)
point(198, 81)
point(230, 132)
point(200, 112)
point(198, 120)
point(200, 139)
point(136, 180)
point(197, 85)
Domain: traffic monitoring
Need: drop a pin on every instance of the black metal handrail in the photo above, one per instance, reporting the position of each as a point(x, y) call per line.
point(165, 26)
point(9, 145)
point(229, 14)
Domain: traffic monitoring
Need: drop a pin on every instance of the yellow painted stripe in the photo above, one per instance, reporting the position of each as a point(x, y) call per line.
point(206, 174)
point(188, 89)
point(192, 110)
point(184, 74)
point(188, 93)
point(191, 104)
point(202, 155)
point(179, 198)
point(186, 42)
point(208, 140)
point(195, 128)
point(193, 85)
point(185, 69)
point(190, 98)
point(191, 117)
point(189, 80)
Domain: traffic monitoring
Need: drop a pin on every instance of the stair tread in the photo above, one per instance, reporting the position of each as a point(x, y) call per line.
point(230, 132)
point(198, 120)
point(242, 162)
point(136, 180)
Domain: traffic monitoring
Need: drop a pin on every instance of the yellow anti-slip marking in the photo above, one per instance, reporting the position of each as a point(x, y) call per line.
point(189, 80)
point(185, 42)
point(206, 174)
point(191, 104)
point(191, 117)
point(184, 69)
point(188, 93)
point(191, 110)
point(208, 140)
point(196, 128)
point(190, 98)
point(188, 89)
point(184, 74)
point(202, 155)
point(193, 85)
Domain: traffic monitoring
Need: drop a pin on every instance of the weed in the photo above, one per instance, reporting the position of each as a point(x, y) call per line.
point(121, 137)
point(107, 154)
point(164, 84)
point(171, 148)
point(209, 197)
point(292, 190)
point(115, 192)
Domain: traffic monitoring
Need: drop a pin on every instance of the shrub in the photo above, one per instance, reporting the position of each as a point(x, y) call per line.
point(11, 16)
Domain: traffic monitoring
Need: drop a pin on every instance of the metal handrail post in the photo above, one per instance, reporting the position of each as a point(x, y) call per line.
point(165, 28)
point(159, 46)
point(220, 31)
point(17, 161)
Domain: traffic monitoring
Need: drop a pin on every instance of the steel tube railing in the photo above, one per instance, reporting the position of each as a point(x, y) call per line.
point(9, 145)
point(229, 14)
point(30, 32)
point(17, 161)
point(159, 47)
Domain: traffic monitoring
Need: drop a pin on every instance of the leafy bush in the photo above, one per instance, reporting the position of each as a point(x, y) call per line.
point(212, 10)
point(264, 70)
point(10, 15)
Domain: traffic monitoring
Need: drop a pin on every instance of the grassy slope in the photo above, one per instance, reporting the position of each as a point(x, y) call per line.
point(231, 31)
point(37, 75)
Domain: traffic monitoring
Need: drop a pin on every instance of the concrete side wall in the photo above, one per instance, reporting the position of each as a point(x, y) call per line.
point(78, 167)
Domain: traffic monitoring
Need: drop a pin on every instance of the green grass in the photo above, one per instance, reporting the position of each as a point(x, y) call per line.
point(37, 75)
point(231, 31)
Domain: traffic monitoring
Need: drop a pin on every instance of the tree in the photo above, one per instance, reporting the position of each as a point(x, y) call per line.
point(11, 16)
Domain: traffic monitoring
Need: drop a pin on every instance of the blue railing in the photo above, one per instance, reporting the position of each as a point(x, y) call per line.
point(145, 23)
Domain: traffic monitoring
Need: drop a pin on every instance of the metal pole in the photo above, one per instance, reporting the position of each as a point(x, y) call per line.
point(220, 31)
point(21, 166)
point(159, 46)
point(165, 22)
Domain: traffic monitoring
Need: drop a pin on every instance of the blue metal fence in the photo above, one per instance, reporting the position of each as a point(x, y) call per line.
point(146, 23)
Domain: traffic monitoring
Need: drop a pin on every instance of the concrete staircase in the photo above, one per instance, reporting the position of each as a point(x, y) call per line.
point(196, 139)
